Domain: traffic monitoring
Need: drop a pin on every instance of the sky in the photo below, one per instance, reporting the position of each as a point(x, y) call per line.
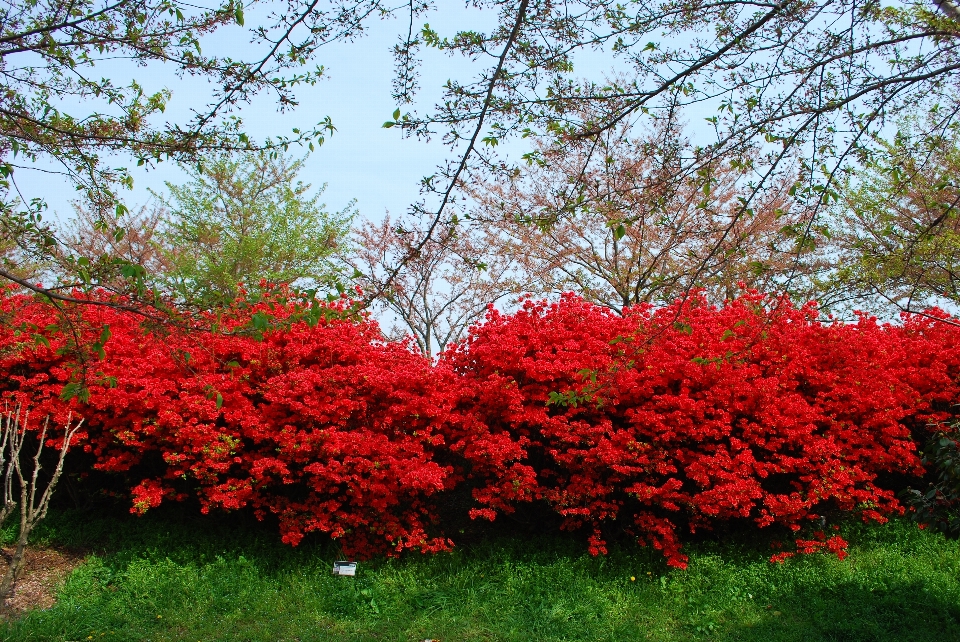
point(361, 161)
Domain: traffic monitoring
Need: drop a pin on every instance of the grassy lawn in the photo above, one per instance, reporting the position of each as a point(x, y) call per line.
point(169, 577)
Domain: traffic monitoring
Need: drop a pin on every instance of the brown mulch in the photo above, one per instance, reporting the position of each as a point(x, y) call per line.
point(45, 569)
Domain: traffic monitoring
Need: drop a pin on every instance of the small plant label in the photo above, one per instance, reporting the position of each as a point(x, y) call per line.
point(345, 568)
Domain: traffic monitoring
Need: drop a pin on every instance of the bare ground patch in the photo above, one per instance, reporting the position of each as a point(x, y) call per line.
point(45, 569)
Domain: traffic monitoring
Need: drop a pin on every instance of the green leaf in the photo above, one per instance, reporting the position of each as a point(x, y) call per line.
point(388, 124)
point(71, 390)
point(260, 321)
point(219, 401)
point(396, 114)
point(238, 14)
point(131, 271)
point(620, 232)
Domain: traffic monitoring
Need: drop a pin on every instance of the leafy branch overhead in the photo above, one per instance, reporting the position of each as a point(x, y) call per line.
point(786, 85)
point(789, 90)
point(64, 109)
point(56, 106)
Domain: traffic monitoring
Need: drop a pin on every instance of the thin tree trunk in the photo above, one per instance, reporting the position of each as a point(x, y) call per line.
point(16, 565)
point(32, 510)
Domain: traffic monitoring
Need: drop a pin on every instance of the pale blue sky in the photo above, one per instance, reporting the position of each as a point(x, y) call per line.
point(361, 161)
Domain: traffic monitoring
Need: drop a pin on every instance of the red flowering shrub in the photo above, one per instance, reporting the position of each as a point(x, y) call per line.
point(657, 420)
point(328, 427)
point(697, 414)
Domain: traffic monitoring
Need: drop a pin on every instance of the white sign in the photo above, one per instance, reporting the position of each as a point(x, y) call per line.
point(345, 568)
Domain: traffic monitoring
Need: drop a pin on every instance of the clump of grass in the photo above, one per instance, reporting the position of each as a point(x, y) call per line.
point(164, 577)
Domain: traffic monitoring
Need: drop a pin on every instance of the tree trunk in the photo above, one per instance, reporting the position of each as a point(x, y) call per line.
point(13, 571)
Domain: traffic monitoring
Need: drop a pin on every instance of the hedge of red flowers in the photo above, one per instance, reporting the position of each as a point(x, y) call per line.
point(658, 422)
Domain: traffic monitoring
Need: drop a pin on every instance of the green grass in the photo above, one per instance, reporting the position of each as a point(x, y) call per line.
point(166, 577)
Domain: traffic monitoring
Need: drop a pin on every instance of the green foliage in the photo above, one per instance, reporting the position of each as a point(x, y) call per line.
point(248, 219)
point(166, 577)
point(74, 98)
point(938, 507)
point(898, 229)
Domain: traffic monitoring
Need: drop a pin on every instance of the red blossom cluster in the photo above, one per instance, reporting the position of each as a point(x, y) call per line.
point(318, 421)
point(654, 421)
point(696, 414)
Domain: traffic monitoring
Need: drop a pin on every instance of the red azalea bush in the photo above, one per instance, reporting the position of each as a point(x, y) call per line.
point(698, 414)
point(326, 426)
point(655, 420)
